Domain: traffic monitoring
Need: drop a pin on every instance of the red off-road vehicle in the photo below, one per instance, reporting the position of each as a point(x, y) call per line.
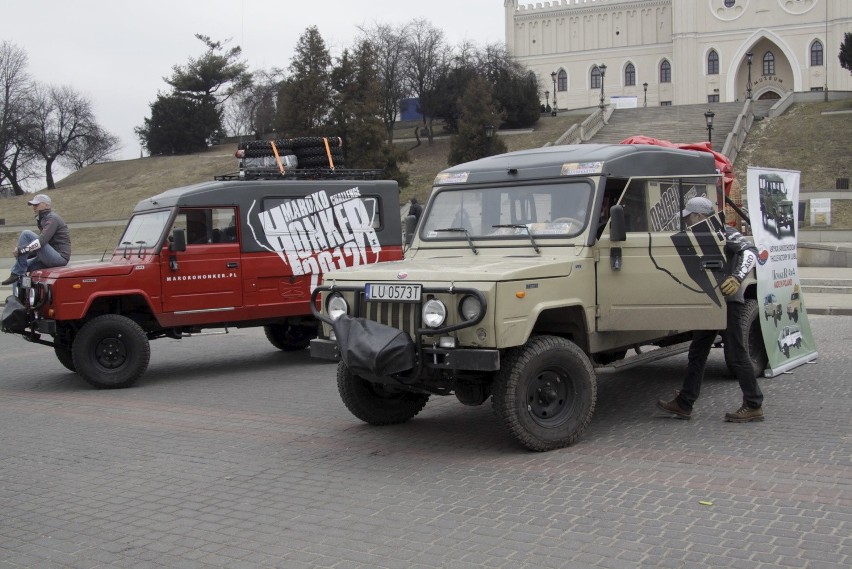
point(243, 250)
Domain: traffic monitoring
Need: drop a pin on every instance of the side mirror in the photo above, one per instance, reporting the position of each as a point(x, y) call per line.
point(617, 226)
point(410, 224)
point(178, 240)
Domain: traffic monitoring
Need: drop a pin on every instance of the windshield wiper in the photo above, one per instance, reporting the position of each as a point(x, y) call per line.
point(141, 244)
point(126, 246)
point(467, 234)
point(522, 226)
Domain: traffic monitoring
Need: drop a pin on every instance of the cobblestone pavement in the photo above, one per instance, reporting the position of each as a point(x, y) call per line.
point(230, 454)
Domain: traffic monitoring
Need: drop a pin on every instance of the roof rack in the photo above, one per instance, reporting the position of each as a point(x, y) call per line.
point(301, 174)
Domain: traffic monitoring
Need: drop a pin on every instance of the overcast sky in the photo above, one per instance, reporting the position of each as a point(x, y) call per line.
point(117, 52)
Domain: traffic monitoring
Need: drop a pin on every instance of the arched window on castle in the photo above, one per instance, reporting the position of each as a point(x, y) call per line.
point(665, 72)
point(596, 77)
point(816, 54)
point(769, 63)
point(630, 75)
point(712, 63)
point(562, 81)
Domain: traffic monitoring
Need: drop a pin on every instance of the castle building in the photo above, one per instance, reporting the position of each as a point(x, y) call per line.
point(675, 52)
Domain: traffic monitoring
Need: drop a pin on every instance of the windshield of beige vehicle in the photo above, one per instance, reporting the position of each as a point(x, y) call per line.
point(555, 210)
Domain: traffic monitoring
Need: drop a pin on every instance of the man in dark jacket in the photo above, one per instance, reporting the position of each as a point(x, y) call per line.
point(742, 256)
point(51, 247)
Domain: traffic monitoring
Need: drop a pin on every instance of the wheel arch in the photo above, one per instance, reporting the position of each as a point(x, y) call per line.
point(135, 306)
point(567, 322)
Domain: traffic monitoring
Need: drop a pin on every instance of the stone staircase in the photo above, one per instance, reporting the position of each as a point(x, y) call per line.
point(679, 124)
point(819, 285)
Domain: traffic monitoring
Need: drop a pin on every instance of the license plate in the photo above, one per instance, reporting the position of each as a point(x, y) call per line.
point(393, 292)
point(26, 282)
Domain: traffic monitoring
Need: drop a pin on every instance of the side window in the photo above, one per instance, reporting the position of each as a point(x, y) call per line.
point(635, 202)
point(204, 226)
point(665, 200)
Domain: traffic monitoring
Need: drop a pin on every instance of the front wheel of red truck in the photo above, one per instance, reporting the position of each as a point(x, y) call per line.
point(65, 357)
point(111, 351)
point(290, 337)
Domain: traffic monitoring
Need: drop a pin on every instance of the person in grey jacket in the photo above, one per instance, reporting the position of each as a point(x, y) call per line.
point(742, 257)
point(51, 247)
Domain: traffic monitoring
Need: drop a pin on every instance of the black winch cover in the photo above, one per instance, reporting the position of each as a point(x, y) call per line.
point(372, 349)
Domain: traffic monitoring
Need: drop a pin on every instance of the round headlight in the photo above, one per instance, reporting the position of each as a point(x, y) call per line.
point(470, 307)
point(336, 306)
point(434, 313)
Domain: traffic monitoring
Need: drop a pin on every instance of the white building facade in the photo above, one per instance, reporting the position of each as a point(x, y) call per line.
point(675, 52)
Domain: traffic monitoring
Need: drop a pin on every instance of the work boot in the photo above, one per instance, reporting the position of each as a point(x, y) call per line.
point(674, 407)
point(12, 278)
point(745, 414)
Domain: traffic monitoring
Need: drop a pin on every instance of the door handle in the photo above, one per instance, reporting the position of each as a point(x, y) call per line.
point(715, 265)
point(232, 265)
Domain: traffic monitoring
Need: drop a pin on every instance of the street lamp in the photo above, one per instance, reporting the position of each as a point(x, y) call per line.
point(553, 111)
point(708, 117)
point(645, 87)
point(603, 74)
point(748, 84)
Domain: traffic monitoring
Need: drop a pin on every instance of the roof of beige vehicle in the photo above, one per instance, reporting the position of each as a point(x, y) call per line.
point(616, 160)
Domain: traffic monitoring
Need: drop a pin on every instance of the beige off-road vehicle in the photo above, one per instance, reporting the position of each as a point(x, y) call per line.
point(529, 274)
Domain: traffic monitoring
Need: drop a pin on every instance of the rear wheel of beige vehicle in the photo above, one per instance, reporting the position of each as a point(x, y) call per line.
point(375, 403)
point(545, 393)
point(111, 351)
point(750, 326)
point(65, 357)
point(290, 337)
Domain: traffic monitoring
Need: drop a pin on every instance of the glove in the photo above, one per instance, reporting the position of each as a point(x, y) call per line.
point(730, 286)
point(34, 246)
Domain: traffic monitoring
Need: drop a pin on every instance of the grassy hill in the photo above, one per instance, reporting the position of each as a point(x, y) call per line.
point(109, 191)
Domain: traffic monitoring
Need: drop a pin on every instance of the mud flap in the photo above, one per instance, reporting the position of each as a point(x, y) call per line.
point(14, 319)
point(370, 349)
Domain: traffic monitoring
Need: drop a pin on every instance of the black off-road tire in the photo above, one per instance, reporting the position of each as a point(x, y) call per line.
point(375, 403)
point(111, 351)
point(545, 393)
point(290, 337)
point(65, 357)
point(750, 324)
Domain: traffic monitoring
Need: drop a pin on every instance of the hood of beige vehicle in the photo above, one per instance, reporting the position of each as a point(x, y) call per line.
point(460, 268)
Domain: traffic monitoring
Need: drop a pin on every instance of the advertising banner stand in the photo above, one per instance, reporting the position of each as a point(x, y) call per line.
point(773, 197)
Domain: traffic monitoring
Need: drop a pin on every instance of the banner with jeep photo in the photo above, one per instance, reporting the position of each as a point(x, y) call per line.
point(773, 197)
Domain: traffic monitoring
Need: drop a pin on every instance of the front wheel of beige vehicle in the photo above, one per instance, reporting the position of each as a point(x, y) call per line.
point(376, 403)
point(545, 393)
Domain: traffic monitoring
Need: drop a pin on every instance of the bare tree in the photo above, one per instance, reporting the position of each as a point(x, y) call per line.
point(389, 46)
point(58, 118)
point(428, 57)
point(16, 160)
point(251, 110)
point(100, 146)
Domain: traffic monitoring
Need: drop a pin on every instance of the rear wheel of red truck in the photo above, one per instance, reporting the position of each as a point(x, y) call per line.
point(545, 392)
point(111, 351)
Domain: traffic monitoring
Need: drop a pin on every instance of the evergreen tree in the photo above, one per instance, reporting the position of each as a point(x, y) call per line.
point(304, 100)
point(356, 114)
point(845, 55)
point(478, 110)
point(178, 125)
point(200, 89)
